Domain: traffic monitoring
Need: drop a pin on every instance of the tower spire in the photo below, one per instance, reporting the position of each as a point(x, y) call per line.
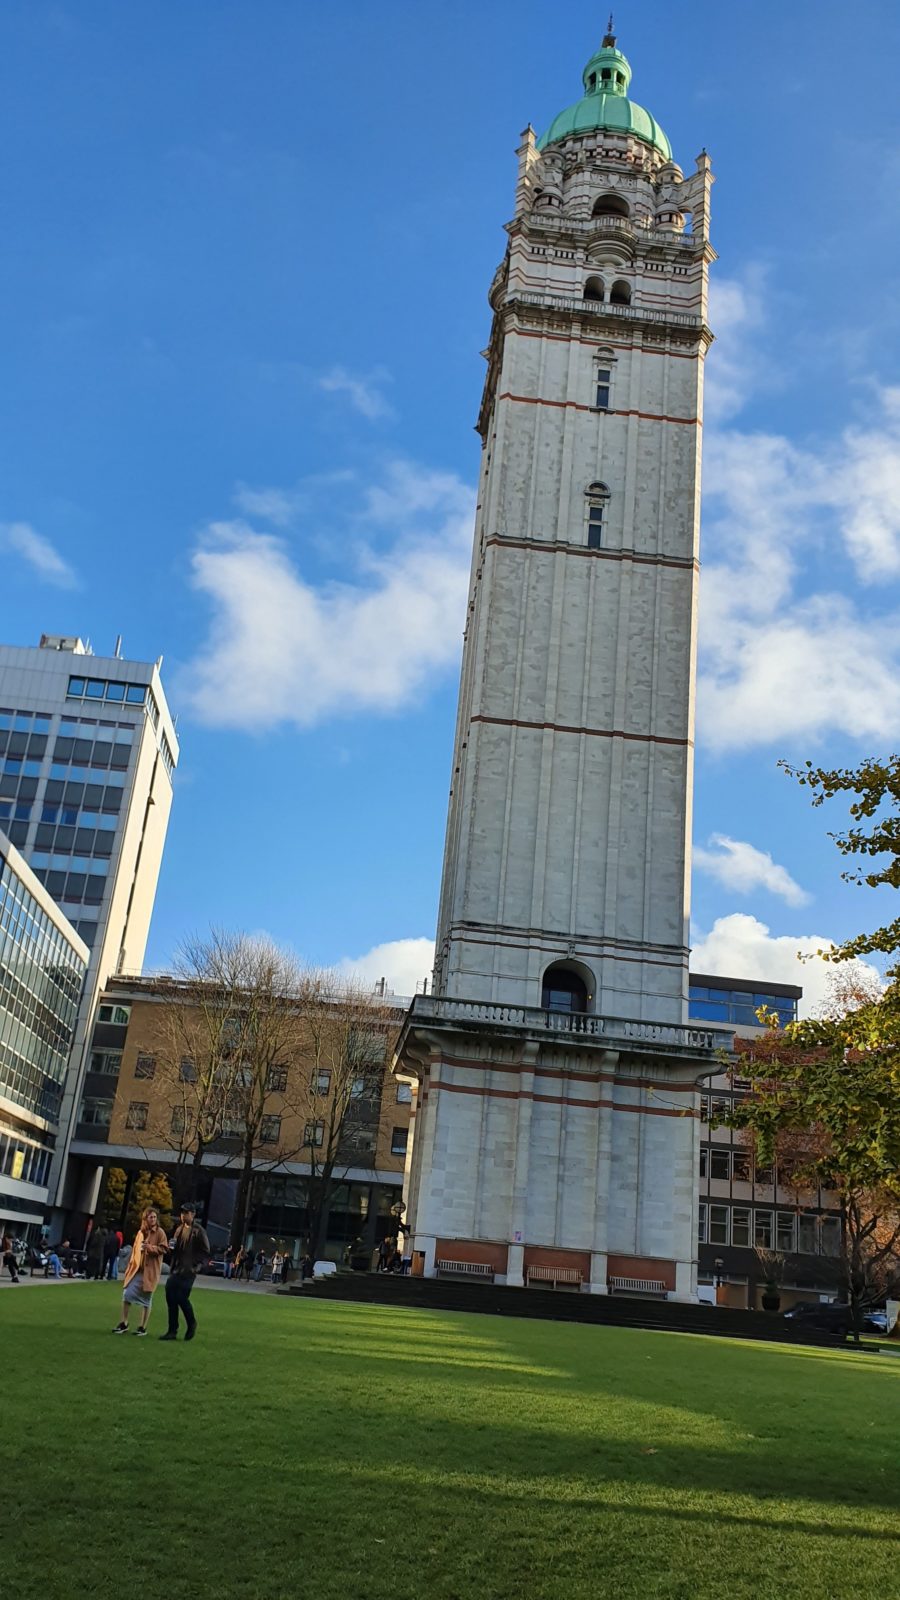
point(610, 37)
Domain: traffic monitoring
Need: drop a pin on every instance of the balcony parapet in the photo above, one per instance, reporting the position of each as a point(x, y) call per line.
point(441, 1012)
point(604, 308)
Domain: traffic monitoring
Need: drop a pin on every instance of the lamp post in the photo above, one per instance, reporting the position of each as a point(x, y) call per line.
point(719, 1264)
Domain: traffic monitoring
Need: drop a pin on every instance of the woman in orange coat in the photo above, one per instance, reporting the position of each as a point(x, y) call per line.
point(144, 1270)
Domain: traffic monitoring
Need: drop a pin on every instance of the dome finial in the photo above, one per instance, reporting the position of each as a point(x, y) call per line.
point(610, 37)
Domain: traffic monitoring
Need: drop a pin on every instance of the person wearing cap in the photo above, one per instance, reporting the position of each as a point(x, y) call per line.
point(190, 1247)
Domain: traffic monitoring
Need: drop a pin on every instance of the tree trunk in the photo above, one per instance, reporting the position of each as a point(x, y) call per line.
point(242, 1201)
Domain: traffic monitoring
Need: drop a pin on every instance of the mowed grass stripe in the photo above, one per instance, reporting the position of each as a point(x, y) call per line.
point(358, 1453)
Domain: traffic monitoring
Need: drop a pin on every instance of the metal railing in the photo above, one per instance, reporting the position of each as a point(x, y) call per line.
point(604, 308)
point(497, 1014)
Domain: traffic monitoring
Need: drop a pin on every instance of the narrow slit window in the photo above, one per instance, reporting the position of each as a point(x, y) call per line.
point(597, 501)
point(604, 380)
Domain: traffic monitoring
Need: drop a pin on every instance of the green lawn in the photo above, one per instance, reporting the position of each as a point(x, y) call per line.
point(351, 1453)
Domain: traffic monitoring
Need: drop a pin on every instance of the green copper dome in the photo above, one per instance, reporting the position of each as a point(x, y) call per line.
point(605, 104)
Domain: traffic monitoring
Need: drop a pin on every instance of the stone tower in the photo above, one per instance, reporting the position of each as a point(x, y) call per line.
point(554, 1128)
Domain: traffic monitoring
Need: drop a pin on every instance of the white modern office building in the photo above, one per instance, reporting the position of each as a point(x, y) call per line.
point(87, 752)
point(42, 969)
point(556, 1122)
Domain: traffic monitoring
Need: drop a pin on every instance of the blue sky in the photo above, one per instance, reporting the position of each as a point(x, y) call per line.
point(245, 258)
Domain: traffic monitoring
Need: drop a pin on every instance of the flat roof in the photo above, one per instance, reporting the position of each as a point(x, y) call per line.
point(791, 991)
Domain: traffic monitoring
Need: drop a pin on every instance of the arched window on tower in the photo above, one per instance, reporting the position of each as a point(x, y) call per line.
point(564, 989)
point(594, 289)
point(597, 496)
point(620, 293)
point(610, 205)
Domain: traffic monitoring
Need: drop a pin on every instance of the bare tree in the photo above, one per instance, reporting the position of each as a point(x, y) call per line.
point(263, 1062)
point(349, 1034)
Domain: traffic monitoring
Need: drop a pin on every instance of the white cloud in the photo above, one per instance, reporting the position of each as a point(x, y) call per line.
point(773, 666)
point(40, 554)
point(741, 866)
point(278, 506)
point(283, 649)
point(740, 946)
point(403, 963)
point(363, 390)
point(733, 367)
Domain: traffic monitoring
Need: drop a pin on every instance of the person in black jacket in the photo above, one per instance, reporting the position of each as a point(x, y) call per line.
point(190, 1246)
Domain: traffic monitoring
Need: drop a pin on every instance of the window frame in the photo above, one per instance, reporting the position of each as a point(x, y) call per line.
point(133, 1122)
point(145, 1065)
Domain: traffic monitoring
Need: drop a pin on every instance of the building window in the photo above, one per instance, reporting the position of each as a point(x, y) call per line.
point(145, 1067)
point(95, 1112)
point(314, 1133)
point(604, 381)
point(404, 1094)
point(179, 1121)
point(187, 1070)
point(740, 1225)
point(106, 1061)
point(399, 1139)
point(831, 1236)
point(120, 1015)
point(762, 1229)
point(357, 1088)
point(563, 990)
point(276, 1080)
point(704, 1108)
point(594, 289)
point(136, 1116)
point(763, 1177)
point(701, 1224)
point(740, 1166)
point(322, 1081)
point(718, 1224)
point(620, 293)
point(270, 1130)
point(597, 501)
point(720, 1164)
point(785, 1230)
point(807, 1233)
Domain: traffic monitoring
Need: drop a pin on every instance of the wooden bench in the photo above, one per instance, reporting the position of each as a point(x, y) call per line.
point(651, 1287)
point(556, 1277)
point(464, 1269)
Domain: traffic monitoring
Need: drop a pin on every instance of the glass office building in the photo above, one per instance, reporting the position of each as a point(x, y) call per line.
point(43, 962)
point(87, 753)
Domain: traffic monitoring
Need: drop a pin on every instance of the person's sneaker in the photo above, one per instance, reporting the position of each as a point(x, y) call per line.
point(140, 1333)
point(190, 1333)
point(164, 1337)
point(122, 1328)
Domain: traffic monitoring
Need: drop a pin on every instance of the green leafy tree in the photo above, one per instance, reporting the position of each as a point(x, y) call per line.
point(825, 1105)
point(150, 1189)
point(872, 840)
point(113, 1203)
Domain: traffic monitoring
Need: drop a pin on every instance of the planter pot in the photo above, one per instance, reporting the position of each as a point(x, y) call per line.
point(771, 1300)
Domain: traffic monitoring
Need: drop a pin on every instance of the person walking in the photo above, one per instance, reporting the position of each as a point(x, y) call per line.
point(111, 1257)
point(94, 1253)
point(260, 1265)
point(9, 1257)
point(277, 1264)
point(228, 1262)
point(190, 1246)
point(144, 1270)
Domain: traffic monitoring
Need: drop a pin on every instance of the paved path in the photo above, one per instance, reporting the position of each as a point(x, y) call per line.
point(224, 1286)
